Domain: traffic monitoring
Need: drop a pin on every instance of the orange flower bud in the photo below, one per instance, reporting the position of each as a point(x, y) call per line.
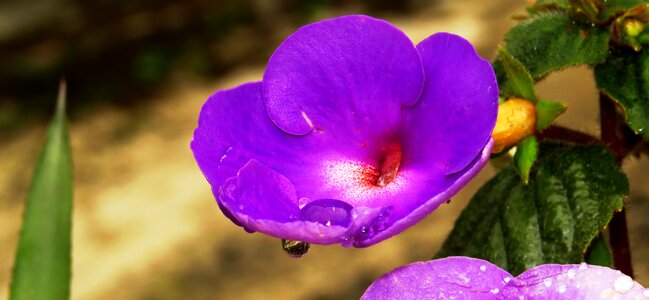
point(516, 120)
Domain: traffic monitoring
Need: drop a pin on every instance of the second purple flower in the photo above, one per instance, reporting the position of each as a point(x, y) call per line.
point(353, 135)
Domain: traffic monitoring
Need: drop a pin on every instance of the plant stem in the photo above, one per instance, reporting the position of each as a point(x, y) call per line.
point(561, 133)
point(614, 139)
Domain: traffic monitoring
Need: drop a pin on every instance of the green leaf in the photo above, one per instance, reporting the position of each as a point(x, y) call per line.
point(546, 112)
point(572, 194)
point(552, 41)
point(42, 266)
point(599, 253)
point(625, 78)
point(519, 79)
point(526, 153)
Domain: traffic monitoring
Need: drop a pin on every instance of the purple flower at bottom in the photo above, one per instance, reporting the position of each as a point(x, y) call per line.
point(353, 135)
point(470, 278)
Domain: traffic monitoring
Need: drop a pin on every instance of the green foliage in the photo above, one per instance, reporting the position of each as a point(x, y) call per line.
point(599, 253)
point(526, 153)
point(554, 3)
point(519, 79)
point(587, 8)
point(42, 266)
point(552, 41)
point(625, 78)
point(546, 112)
point(572, 194)
point(617, 7)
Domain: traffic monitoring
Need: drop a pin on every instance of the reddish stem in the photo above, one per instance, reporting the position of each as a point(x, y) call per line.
point(560, 133)
point(615, 139)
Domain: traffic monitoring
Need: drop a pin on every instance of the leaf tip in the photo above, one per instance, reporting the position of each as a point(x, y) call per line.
point(61, 99)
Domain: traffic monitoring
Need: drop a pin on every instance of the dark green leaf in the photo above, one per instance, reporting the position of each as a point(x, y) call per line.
point(519, 79)
point(526, 153)
point(599, 253)
point(625, 78)
point(572, 194)
point(552, 41)
point(42, 266)
point(546, 112)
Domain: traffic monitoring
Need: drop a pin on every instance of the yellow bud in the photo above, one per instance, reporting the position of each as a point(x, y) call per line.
point(633, 27)
point(516, 120)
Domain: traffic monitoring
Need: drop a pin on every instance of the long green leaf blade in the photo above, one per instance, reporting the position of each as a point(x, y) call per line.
point(42, 266)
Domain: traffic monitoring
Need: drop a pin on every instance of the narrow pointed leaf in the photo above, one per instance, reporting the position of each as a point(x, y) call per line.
point(42, 266)
point(572, 194)
point(526, 153)
point(519, 79)
point(546, 112)
point(625, 78)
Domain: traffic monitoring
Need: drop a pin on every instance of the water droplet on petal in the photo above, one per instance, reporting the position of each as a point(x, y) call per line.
point(623, 284)
point(495, 291)
point(562, 289)
point(571, 273)
point(327, 212)
point(583, 266)
point(547, 282)
point(507, 279)
point(483, 268)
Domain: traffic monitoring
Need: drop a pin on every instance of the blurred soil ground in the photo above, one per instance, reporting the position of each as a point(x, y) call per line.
point(146, 225)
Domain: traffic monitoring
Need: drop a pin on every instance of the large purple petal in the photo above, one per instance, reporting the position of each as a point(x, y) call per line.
point(449, 278)
point(430, 191)
point(456, 114)
point(575, 282)
point(343, 74)
point(470, 278)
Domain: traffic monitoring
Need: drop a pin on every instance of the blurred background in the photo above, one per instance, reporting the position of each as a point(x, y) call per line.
point(145, 223)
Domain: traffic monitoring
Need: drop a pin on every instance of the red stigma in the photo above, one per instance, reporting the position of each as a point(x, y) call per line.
point(389, 165)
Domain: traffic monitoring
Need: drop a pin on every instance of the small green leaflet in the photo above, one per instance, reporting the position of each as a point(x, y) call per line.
point(526, 153)
point(546, 112)
point(625, 78)
point(42, 266)
point(572, 194)
point(519, 79)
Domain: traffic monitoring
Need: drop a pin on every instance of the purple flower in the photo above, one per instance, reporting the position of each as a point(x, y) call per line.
point(470, 278)
point(353, 135)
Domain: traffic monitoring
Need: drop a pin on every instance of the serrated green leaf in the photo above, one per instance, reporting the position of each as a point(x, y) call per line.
point(526, 153)
point(625, 78)
point(42, 266)
point(546, 112)
point(552, 41)
point(572, 194)
point(599, 253)
point(519, 79)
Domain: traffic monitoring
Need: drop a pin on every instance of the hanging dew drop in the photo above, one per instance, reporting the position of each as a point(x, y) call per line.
point(295, 249)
